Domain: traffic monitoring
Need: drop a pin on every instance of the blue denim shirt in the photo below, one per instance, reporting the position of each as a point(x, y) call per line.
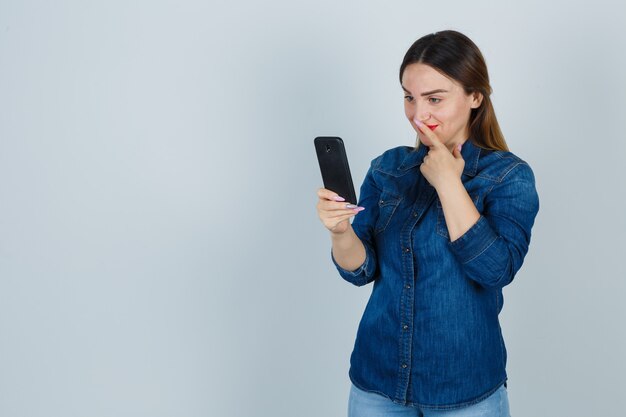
point(430, 334)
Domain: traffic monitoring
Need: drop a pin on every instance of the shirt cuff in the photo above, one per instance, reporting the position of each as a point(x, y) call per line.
point(474, 241)
point(363, 274)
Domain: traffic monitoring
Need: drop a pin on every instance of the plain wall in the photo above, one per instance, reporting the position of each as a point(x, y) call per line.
point(160, 251)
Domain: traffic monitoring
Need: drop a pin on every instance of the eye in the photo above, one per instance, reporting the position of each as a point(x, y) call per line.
point(408, 98)
point(434, 98)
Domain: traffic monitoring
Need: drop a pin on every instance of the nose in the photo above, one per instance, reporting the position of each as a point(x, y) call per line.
point(421, 113)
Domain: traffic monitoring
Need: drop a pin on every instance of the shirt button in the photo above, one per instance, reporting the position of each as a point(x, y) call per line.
point(414, 214)
point(407, 250)
point(404, 365)
point(405, 327)
point(407, 286)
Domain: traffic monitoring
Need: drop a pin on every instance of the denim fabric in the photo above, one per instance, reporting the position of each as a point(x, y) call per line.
point(430, 334)
point(369, 404)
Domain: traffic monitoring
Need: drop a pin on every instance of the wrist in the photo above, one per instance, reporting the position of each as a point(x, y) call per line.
point(340, 238)
point(338, 235)
point(449, 185)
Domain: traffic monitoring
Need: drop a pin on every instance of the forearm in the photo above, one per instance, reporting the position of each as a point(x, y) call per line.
point(348, 250)
point(458, 209)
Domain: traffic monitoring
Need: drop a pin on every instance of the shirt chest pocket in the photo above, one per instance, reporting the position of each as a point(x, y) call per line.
point(442, 227)
point(387, 205)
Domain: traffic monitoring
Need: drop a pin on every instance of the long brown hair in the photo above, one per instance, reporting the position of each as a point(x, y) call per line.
point(457, 57)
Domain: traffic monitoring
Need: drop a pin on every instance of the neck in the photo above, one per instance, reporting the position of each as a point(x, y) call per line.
point(454, 144)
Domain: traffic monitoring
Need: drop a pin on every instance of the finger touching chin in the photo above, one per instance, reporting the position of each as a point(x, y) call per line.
point(425, 140)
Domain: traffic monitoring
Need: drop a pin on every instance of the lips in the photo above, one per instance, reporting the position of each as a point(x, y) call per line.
point(432, 127)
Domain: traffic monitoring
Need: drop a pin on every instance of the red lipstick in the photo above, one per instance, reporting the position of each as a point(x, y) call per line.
point(432, 127)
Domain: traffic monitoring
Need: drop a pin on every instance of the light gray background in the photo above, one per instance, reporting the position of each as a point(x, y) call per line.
point(160, 252)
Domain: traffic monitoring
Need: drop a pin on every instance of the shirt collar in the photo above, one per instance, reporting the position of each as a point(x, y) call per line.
point(469, 152)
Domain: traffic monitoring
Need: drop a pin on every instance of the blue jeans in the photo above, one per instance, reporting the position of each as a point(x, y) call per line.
point(369, 404)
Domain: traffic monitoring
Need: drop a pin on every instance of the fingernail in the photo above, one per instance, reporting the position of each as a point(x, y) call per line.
point(356, 210)
point(351, 206)
point(337, 198)
point(459, 147)
point(417, 122)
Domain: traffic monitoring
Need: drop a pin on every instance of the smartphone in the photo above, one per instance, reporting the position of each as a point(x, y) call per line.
point(331, 155)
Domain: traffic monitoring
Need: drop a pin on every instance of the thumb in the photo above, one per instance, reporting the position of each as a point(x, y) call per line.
point(457, 151)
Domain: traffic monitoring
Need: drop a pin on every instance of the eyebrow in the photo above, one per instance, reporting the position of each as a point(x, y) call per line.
point(439, 90)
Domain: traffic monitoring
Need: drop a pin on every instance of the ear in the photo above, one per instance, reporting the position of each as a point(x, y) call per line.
point(477, 99)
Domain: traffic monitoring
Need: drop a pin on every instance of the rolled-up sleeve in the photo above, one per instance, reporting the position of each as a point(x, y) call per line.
point(363, 225)
point(493, 249)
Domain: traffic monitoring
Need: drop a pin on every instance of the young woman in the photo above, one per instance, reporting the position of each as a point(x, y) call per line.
point(440, 228)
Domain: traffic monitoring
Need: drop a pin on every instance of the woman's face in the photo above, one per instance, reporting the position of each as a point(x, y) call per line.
point(439, 102)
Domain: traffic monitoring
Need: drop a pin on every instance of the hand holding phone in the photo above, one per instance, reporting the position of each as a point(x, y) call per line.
point(331, 155)
point(337, 201)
